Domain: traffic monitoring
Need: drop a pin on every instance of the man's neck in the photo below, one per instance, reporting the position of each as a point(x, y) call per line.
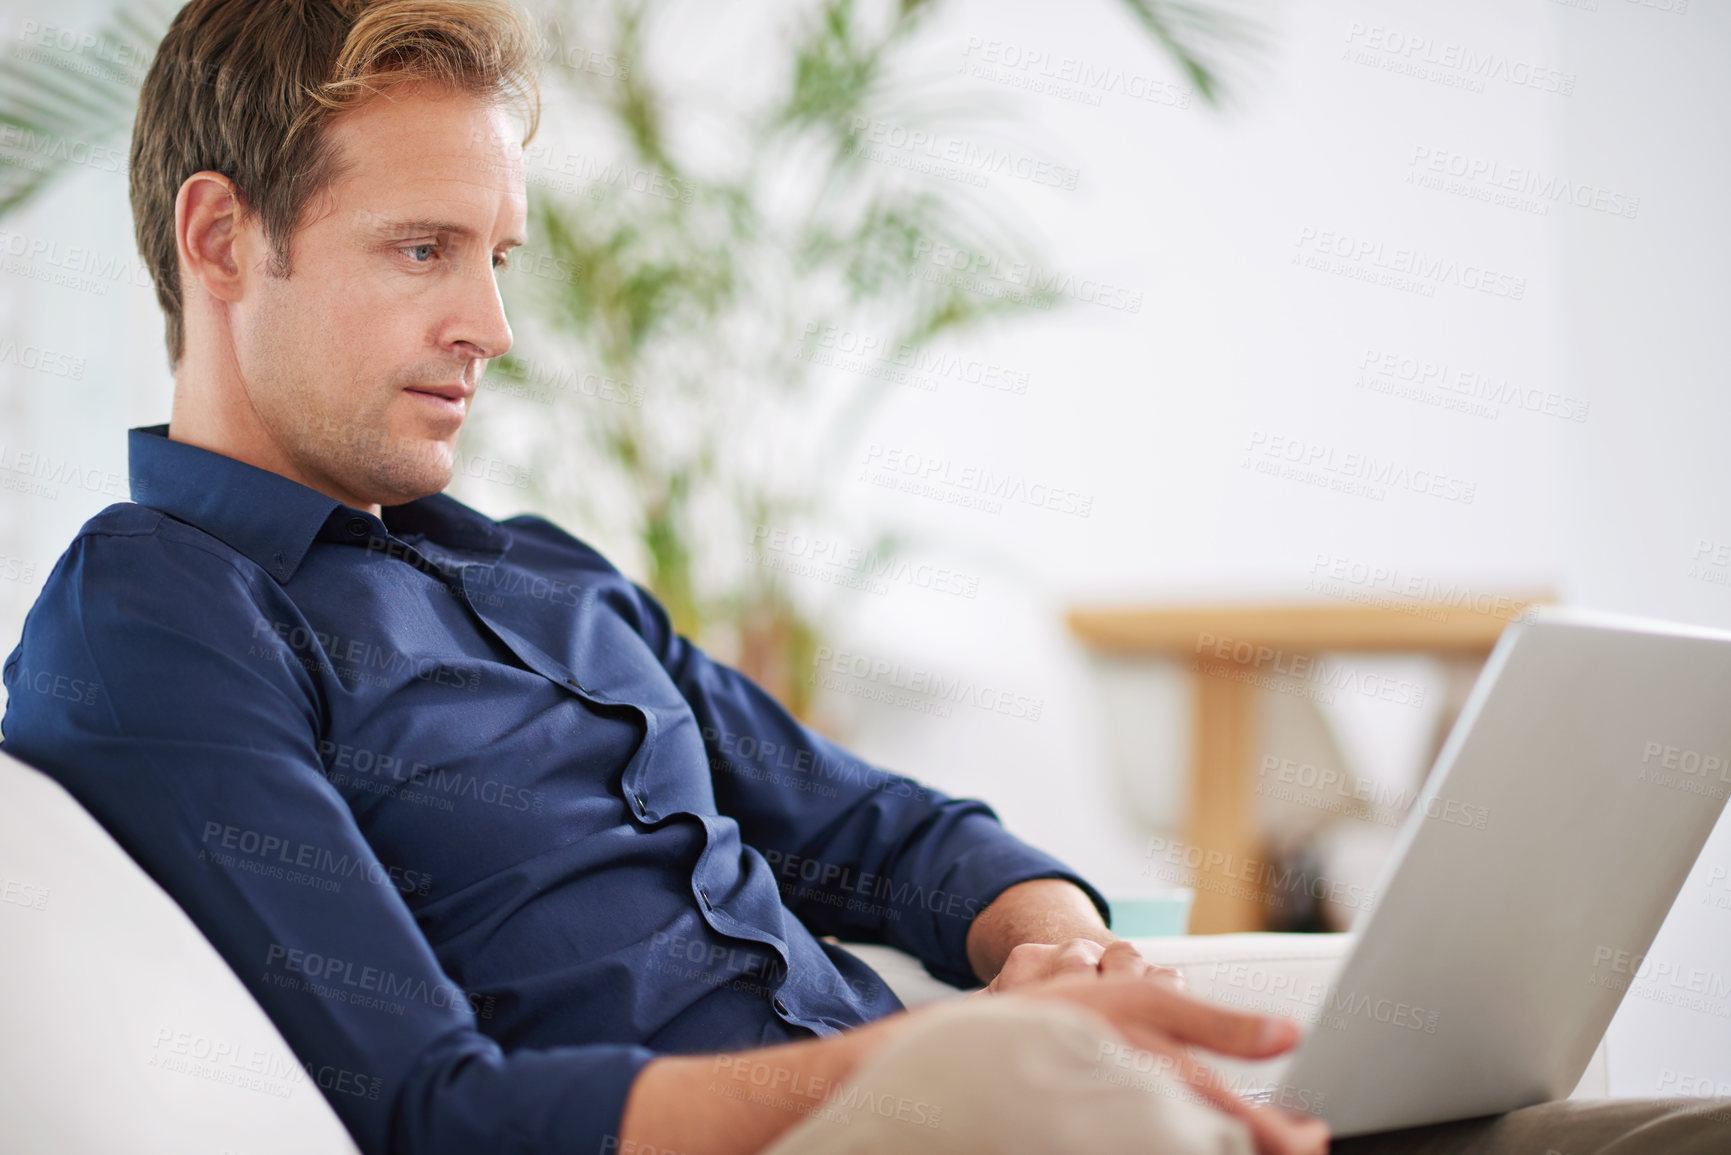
point(219, 421)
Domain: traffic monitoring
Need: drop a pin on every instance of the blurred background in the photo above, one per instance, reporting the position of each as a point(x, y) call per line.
point(1141, 416)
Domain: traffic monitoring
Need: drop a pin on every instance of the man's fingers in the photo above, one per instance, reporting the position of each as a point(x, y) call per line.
point(1219, 1029)
point(1079, 954)
point(1157, 1018)
point(1032, 962)
point(1122, 958)
point(1274, 1132)
point(1172, 977)
point(1129, 1002)
point(1132, 1001)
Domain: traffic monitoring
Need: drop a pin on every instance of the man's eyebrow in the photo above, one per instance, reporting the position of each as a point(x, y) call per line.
point(422, 225)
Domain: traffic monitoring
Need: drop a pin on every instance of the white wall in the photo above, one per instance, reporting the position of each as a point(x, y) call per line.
point(1155, 413)
point(1645, 518)
point(71, 284)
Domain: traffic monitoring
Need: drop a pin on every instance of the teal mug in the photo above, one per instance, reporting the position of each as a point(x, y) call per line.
point(1152, 914)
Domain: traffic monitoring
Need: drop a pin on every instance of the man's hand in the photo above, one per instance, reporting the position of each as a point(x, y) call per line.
point(1159, 1018)
point(668, 1106)
point(1041, 911)
point(1044, 928)
point(1033, 962)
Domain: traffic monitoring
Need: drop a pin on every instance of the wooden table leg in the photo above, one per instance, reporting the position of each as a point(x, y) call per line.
point(1224, 828)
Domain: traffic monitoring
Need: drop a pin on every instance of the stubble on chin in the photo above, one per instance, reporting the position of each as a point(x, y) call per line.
point(348, 445)
point(377, 464)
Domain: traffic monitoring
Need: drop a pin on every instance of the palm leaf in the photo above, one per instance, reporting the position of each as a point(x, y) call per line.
point(57, 103)
point(1199, 37)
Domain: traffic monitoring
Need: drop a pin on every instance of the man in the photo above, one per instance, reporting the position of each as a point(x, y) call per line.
point(475, 827)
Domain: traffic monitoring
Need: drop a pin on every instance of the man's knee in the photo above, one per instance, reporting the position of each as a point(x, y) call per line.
point(996, 1028)
point(1057, 1078)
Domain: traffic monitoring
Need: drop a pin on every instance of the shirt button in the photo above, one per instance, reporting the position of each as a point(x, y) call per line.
point(358, 527)
point(780, 1006)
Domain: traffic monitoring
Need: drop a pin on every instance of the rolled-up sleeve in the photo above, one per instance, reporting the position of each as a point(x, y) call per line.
point(860, 852)
point(194, 730)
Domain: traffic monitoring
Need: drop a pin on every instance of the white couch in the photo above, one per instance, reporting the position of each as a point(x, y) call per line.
point(124, 1030)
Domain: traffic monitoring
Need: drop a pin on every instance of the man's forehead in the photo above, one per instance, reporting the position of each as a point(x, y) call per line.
point(442, 158)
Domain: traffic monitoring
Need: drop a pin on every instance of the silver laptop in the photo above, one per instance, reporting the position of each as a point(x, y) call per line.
point(1563, 816)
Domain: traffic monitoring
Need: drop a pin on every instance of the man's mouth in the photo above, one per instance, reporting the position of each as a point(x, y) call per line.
point(451, 399)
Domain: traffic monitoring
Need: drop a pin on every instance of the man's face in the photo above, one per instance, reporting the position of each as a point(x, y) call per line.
point(360, 367)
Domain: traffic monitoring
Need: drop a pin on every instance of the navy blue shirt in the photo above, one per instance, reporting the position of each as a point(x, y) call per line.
point(477, 829)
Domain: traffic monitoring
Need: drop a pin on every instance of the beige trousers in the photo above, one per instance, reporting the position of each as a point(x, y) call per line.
point(995, 1076)
point(1010, 1078)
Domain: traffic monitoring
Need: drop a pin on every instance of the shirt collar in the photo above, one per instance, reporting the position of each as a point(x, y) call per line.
point(272, 520)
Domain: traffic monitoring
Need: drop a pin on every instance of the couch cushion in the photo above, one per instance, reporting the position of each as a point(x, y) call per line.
point(124, 1029)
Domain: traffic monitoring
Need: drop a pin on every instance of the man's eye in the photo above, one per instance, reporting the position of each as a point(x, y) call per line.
point(500, 261)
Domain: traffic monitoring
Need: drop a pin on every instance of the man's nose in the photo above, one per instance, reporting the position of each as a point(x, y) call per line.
point(482, 312)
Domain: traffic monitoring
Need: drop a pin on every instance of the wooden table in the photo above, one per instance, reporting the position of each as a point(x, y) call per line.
point(1229, 649)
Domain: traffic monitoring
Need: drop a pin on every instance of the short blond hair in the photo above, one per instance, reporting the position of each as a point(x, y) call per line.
point(248, 88)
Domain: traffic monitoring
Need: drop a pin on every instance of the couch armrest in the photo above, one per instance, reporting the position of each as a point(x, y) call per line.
point(1230, 967)
point(124, 1029)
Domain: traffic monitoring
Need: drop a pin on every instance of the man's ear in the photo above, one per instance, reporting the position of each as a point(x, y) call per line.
point(207, 213)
